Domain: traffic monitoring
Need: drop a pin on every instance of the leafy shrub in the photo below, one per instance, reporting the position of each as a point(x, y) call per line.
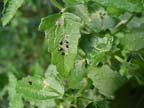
point(95, 54)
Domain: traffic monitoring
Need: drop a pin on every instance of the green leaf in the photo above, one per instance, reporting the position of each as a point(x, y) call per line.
point(93, 95)
point(5, 3)
point(132, 41)
point(36, 88)
point(50, 103)
point(96, 47)
point(15, 99)
point(48, 22)
point(10, 10)
point(100, 20)
point(114, 11)
point(128, 5)
point(71, 33)
point(105, 80)
point(75, 80)
point(82, 11)
point(94, 58)
point(96, 43)
point(136, 23)
point(102, 44)
point(58, 29)
point(52, 76)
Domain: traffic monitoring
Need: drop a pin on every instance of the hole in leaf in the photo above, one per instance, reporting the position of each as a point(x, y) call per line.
point(30, 83)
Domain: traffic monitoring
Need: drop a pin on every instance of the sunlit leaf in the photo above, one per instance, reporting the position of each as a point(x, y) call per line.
point(11, 10)
point(105, 80)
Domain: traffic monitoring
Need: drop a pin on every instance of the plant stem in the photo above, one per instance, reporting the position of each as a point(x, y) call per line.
point(56, 4)
point(119, 59)
point(118, 29)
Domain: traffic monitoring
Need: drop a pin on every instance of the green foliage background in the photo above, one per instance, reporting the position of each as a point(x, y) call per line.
point(103, 66)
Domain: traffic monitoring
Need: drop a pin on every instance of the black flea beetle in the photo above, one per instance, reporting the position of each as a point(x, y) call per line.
point(63, 47)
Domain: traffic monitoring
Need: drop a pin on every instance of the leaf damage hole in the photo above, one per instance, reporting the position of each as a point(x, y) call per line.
point(30, 82)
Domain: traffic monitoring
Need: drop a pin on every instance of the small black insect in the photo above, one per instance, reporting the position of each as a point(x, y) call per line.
point(63, 46)
point(63, 53)
point(66, 41)
point(61, 43)
point(60, 49)
point(67, 46)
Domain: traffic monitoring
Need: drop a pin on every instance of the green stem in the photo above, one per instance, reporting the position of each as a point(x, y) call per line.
point(119, 59)
point(118, 29)
point(56, 4)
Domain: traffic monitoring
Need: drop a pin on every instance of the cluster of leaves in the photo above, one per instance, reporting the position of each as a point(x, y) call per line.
point(96, 57)
point(22, 48)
